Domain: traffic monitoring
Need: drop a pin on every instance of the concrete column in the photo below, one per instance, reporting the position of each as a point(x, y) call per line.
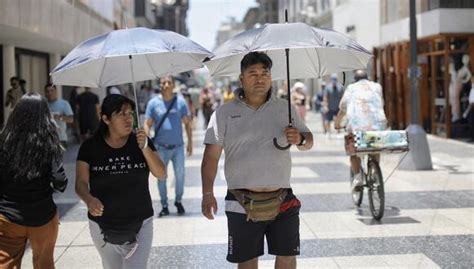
point(54, 60)
point(9, 70)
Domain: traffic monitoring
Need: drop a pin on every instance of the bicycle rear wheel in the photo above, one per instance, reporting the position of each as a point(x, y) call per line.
point(376, 189)
point(358, 193)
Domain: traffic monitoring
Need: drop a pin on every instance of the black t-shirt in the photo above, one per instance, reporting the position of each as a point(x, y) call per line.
point(119, 179)
point(87, 102)
point(29, 203)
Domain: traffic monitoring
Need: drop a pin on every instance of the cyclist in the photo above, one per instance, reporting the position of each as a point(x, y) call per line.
point(362, 104)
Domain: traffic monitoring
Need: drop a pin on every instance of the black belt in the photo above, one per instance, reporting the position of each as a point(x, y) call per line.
point(167, 146)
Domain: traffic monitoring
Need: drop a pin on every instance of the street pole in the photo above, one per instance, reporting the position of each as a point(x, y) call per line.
point(419, 157)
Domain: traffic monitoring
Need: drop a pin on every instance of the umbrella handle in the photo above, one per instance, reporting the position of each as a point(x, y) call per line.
point(275, 143)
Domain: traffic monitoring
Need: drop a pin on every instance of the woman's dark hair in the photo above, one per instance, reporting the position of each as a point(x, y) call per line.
point(255, 58)
point(29, 142)
point(112, 103)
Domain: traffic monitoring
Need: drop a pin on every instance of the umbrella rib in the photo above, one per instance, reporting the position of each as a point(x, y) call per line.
point(102, 72)
point(151, 67)
point(319, 62)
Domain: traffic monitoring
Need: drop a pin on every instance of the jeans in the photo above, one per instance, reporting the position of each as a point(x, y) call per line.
point(176, 155)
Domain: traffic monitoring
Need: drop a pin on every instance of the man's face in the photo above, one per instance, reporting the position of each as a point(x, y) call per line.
point(166, 84)
point(51, 93)
point(256, 80)
point(14, 83)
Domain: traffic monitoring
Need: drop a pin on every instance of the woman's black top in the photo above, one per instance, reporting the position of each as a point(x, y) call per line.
point(119, 179)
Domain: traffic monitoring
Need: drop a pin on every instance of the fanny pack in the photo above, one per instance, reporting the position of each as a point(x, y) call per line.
point(121, 236)
point(260, 206)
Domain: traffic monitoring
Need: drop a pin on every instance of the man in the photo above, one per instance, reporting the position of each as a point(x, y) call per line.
point(168, 137)
point(244, 129)
point(88, 109)
point(14, 93)
point(331, 98)
point(61, 110)
point(362, 104)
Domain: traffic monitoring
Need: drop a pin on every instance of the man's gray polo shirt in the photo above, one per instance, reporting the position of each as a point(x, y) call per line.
point(251, 159)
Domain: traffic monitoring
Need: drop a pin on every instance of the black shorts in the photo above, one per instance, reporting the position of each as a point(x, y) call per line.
point(246, 238)
point(329, 116)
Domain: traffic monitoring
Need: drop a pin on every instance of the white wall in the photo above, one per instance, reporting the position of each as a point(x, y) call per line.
point(433, 22)
point(367, 23)
point(47, 25)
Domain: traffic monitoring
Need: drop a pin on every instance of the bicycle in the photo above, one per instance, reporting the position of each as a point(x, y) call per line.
point(368, 145)
point(373, 181)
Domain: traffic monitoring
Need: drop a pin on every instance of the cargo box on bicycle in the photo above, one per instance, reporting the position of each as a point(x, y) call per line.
point(376, 141)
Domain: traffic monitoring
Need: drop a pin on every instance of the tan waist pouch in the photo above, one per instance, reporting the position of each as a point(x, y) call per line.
point(260, 206)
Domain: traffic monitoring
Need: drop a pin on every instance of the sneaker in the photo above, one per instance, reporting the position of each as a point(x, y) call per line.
point(164, 212)
point(357, 183)
point(180, 208)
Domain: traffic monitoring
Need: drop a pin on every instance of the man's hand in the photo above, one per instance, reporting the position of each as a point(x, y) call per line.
point(209, 205)
point(95, 206)
point(142, 139)
point(189, 149)
point(292, 135)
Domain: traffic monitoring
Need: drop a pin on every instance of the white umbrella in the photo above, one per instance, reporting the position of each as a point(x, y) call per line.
point(309, 52)
point(128, 56)
point(314, 52)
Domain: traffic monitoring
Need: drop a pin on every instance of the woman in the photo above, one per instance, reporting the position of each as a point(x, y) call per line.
point(30, 165)
point(299, 99)
point(112, 171)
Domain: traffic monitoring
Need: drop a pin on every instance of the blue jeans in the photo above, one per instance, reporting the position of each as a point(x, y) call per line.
point(176, 155)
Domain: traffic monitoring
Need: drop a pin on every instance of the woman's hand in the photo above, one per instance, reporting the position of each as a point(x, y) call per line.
point(95, 206)
point(142, 138)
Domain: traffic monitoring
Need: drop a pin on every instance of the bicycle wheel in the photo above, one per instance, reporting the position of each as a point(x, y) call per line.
point(376, 189)
point(358, 193)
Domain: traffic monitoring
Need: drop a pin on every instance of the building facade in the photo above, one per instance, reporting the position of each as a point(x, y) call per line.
point(35, 35)
point(445, 47)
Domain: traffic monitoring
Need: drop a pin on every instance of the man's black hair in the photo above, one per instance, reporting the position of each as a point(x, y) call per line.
point(255, 58)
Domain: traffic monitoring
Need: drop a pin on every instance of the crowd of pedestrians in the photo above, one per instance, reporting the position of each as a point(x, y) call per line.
point(115, 159)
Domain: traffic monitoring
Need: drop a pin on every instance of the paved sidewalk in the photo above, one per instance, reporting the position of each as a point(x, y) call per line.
point(428, 221)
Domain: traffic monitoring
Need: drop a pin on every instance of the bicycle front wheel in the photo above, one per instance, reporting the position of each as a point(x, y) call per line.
point(376, 189)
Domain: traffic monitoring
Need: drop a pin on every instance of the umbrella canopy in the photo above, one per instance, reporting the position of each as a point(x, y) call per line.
point(314, 52)
point(128, 55)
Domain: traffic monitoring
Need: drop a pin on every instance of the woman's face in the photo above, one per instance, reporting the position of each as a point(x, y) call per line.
point(121, 123)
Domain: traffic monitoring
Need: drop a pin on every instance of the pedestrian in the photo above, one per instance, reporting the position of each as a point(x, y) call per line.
point(300, 99)
point(259, 199)
point(165, 116)
point(31, 169)
point(14, 93)
point(88, 110)
point(228, 95)
point(362, 105)
point(206, 99)
point(61, 111)
point(112, 170)
point(331, 98)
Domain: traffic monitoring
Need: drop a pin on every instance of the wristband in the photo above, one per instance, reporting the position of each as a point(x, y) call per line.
point(208, 193)
point(146, 143)
point(303, 140)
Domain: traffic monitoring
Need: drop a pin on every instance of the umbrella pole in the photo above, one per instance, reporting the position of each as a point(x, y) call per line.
point(290, 120)
point(137, 115)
